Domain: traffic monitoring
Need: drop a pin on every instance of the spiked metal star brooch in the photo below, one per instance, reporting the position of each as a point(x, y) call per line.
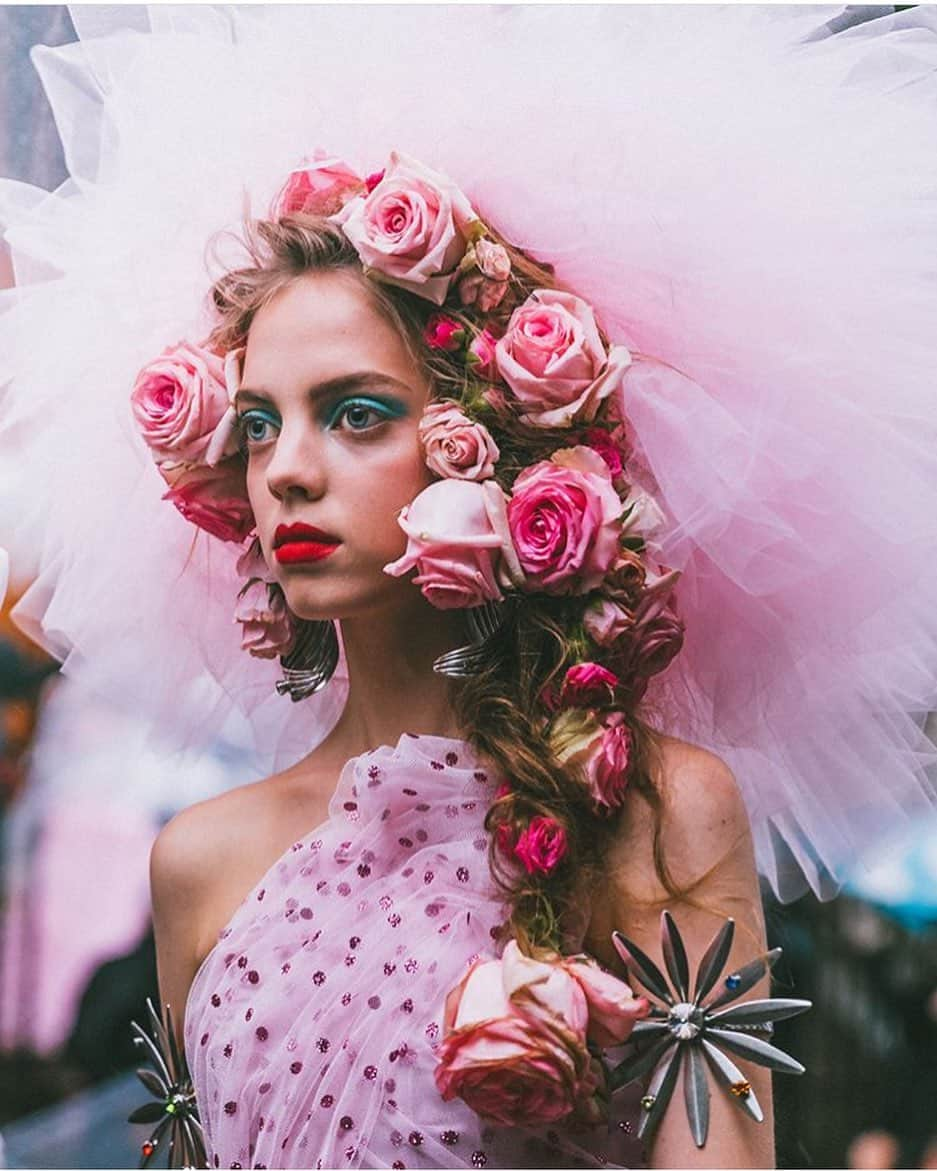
point(174, 1110)
point(697, 1032)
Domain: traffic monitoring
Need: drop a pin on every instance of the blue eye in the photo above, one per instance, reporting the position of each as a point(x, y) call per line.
point(361, 414)
point(255, 427)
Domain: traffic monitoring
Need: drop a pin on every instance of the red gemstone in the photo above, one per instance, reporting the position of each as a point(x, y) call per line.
point(147, 1149)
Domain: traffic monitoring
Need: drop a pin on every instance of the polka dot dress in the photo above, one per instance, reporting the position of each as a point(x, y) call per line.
point(311, 1027)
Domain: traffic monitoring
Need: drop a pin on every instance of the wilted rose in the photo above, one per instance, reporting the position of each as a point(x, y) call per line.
point(267, 626)
point(320, 186)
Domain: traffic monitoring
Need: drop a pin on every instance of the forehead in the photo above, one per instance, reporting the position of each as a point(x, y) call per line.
point(321, 326)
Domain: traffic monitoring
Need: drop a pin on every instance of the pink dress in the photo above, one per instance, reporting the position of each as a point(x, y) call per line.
point(310, 1028)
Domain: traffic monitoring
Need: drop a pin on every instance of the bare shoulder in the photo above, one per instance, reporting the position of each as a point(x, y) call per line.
point(699, 827)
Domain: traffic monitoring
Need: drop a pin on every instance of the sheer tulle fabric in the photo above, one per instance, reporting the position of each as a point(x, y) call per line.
point(311, 1027)
point(741, 194)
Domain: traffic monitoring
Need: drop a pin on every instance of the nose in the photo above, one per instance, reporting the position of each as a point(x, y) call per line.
point(297, 466)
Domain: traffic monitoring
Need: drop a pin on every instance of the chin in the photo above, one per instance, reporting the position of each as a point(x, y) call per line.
point(318, 601)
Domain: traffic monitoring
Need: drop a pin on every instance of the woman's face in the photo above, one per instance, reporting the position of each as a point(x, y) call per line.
point(328, 410)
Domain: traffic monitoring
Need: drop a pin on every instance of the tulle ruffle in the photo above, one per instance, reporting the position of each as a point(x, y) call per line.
point(742, 194)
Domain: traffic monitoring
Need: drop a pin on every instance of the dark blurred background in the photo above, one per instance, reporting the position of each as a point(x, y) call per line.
point(83, 793)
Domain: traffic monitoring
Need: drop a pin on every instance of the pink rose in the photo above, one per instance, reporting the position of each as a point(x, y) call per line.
point(588, 685)
point(564, 516)
point(457, 533)
point(456, 448)
point(643, 515)
point(610, 446)
point(267, 627)
point(178, 400)
point(613, 1008)
point(656, 634)
point(553, 359)
point(214, 499)
point(606, 621)
point(413, 228)
point(486, 281)
point(320, 187)
point(481, 354)
point(541, 846)
point(443, 333)
point(600, 747)
point(514, 1043)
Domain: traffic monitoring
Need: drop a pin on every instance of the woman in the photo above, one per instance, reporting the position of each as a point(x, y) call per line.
point(806, 663)
point(339, 413)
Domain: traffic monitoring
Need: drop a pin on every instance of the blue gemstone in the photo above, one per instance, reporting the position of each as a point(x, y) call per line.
point(732, 982)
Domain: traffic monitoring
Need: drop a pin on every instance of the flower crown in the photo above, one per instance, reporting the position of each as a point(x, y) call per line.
point(569, 525)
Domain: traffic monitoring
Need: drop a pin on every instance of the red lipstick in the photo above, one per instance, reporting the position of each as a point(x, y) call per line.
point(298, 543)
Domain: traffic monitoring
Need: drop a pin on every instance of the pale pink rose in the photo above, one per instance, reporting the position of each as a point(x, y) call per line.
point(267, 627)
point(613, 1007)
point(320, 186)
point(644, 515)
point(564, 524)
point(486, 281)
point(481, 354)
point(251, 563)
point(607, 620)
point(518, 1059)
point(443, 333)
point(588, 685)
point(178, 400)
point(413, 228)
point(541, 846)
point(456, 448)
point(214, 499)
point(553, 359)
point(455, 542)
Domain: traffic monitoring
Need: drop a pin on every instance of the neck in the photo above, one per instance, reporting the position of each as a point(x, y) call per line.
point(393, 688)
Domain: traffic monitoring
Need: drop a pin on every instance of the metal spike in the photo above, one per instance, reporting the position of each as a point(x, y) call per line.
point(155, 1138)
point(756, 1050)
point(152, 1052)
point(758, 1012)
point(643, 967)
point(148, 1112)
point(746, 977)
point(178, 1061)
point(713, 961)
point(675, 956)
point(153, 1083)
point(660, 1090)
point(696, 1094)
point(730, 1075)
point(638, 1064)
point(649, 1028)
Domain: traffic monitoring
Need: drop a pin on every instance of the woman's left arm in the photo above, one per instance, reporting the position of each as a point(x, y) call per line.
point(707, 846)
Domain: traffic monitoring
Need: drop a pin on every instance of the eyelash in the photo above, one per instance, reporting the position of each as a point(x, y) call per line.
point(383, 411)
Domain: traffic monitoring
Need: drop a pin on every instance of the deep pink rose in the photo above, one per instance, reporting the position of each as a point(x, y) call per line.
point(486, 281)
point(514, 1043)
point(553, 359)
point(613, 1007)
point(456, 534)
point(610, 446)
point(413, 228)
point(214, 499)
point(443, 333)
point(541, 846)
point(564, 516)
point(320, 186)
point(267, 627)
point(178, 400)
point(481, 354)
point(588, 685)
point(456, 448)
point(600, 747)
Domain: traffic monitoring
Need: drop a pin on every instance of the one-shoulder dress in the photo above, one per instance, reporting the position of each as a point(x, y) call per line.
point(311, 1027)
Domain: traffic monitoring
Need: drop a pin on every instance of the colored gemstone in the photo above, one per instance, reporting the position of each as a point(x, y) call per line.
point(741, 1089)
point(147, 1149)
point(733, 981)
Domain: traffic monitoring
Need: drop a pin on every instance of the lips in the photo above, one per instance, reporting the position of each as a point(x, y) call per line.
point(297, 543)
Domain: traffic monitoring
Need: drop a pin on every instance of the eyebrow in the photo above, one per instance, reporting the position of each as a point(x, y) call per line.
point(343, 384)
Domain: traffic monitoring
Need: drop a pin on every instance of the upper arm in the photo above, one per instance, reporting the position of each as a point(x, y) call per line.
point(177, 888)
point(707, 847)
